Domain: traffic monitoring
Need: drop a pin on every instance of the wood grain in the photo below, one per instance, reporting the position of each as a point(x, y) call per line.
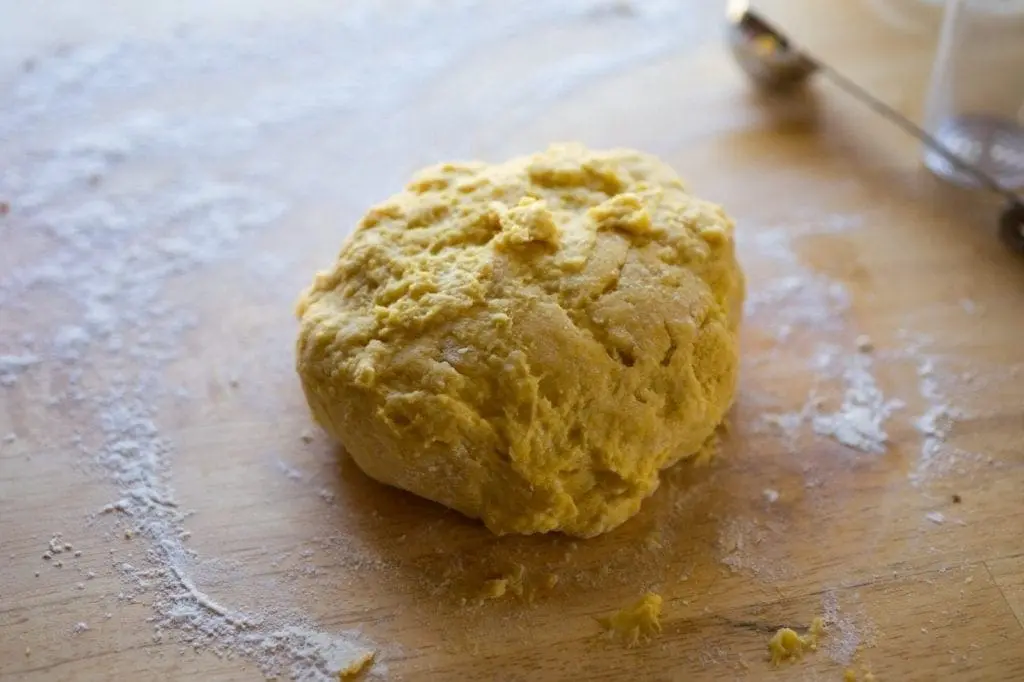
point(910, 599)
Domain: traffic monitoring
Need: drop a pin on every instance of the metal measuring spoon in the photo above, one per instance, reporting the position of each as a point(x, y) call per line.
point(774, 63)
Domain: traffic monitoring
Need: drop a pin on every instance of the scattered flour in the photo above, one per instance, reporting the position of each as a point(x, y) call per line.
point(801, 299)
point(936, 423)
point(802, 306)
point(969, 306)
point(846, 634)
point(12, 366)
point(747, 545)
point(290, 472)
point(859, 423)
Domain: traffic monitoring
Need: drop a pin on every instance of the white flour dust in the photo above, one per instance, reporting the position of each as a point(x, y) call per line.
point(12, 366)
point(936, 423)
point(805, 315)
point(859, 421)
point(116, 192)
point(802, 301)
point(846, 632)
point(938, 456)
point(746, 546)
point(843, 361)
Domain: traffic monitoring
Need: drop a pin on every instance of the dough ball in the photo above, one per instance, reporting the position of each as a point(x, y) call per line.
point(531, 342)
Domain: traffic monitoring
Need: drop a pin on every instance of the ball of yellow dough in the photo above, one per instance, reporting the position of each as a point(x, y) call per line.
point(530, 342)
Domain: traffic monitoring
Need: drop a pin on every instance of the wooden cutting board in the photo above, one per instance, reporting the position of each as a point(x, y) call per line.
point(260, 131)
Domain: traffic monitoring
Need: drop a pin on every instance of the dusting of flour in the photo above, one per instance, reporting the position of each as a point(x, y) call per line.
point(859, 421)
point(802, 301)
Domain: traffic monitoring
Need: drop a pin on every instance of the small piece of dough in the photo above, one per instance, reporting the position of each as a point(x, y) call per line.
point(786, 644)
point(357, 666)
point(511, 581)
point(636, 623)
point(531, 342)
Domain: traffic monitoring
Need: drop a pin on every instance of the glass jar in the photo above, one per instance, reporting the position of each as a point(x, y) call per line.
point(975, 103)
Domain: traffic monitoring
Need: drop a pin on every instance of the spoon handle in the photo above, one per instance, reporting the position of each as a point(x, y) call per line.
point(911, 128)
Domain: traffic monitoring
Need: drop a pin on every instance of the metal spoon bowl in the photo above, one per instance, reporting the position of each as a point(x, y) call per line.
point(763, 52)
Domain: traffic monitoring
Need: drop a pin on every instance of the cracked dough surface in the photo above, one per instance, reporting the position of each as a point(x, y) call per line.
point(529, 342)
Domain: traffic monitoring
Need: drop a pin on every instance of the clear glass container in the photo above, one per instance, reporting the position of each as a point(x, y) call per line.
point(976, 100)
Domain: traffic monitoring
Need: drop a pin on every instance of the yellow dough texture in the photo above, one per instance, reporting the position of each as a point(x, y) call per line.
point(529, 342)
point(636, 623)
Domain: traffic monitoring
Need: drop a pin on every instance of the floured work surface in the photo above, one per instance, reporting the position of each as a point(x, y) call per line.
point(168, 511)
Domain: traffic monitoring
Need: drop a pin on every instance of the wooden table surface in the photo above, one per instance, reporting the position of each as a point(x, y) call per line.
point(299, 115)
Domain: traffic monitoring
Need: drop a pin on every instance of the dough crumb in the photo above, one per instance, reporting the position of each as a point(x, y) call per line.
point(787, 645)
point(511, 581)
point(771, 495)
point(357, 666)
point(865, 344)
point(637, 623)
point(850, 675)
point(494, 589)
